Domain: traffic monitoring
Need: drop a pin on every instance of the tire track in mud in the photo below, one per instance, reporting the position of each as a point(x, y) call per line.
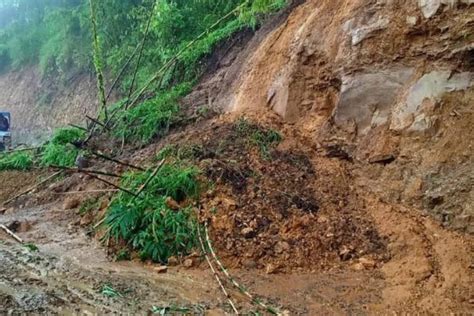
point(429, 270)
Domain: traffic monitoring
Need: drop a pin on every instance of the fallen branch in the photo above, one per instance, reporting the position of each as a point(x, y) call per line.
point(86, 171)
point(32, 188)
point(241, 288)
point(111, 184)
point(216, 275)
point(9, 232)
point(115, 160)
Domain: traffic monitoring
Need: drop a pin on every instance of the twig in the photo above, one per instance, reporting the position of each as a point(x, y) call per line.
point(9, 232)
point(110, 183)
point(86, 171)
point(216, 275)
point(116, 161)
point(32, 188)
point(96, 122)
point(149, 179)
point(233, 281)
point(86, 192)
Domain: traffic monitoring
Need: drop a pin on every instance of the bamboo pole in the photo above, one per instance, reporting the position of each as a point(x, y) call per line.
point(149, 179)
point(110, 183)
point(215, 274)
point(140, 54)
point(97, 58)
point(240, 287)
point(109, 174)
point(176, 57)
point(32, 188)
point(116, 161)
point(9, 232)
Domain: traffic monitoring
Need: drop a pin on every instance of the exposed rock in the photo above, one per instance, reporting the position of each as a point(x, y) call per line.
point(361, 33)
point(429, 7)
point(423, 96)
point(367, 98)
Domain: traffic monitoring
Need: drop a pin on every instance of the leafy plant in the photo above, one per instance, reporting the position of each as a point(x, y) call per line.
point(59, 151)
point(16, 161)
point(147, 223)
point(109, 291)
point(151, 118)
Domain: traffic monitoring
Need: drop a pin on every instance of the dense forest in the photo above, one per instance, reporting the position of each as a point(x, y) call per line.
point(56, 34)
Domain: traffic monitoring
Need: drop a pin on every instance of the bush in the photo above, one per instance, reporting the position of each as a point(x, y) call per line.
point(147, 223)
point(59, 151)
point(16, 161)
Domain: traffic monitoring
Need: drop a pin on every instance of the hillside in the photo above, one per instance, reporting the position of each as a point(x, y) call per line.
point(293, 158)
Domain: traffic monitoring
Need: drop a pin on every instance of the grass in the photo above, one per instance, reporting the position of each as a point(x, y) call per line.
point(89, 205)
point(109, 291)
point(16, 161)
point(147, 224)
point(263, 139)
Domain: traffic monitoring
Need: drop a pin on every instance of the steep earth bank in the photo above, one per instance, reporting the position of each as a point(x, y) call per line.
point(38, 105)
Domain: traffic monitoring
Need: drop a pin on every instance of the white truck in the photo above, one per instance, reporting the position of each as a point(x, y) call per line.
point(5, 131)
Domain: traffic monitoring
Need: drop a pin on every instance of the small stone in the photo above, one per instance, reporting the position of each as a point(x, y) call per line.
point(172, 204)
point(71, 203)
point(271, 268)
point(249, 264)
point(358, 266)
point(173, 261)
point(345, 253)
point(282, 246)
point(248, 232)
point(367, 263)
point(412, 20)
point(161, 269)
point(188, 263)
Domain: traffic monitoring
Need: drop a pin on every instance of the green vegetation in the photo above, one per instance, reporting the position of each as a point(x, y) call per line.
point(16, 161)
point(152, 118)
point(263, 139)
point(147, 223)
point(59, 151)
point(57, 35)
point(109, 291)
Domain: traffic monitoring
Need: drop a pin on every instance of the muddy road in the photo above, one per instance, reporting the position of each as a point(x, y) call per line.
point(60, 269)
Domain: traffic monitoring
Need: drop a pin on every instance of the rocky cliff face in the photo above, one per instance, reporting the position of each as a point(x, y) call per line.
point(38, 106)
point(389, 83)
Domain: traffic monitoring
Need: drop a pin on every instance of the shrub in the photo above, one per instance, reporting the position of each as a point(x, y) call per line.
point(59, 151)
